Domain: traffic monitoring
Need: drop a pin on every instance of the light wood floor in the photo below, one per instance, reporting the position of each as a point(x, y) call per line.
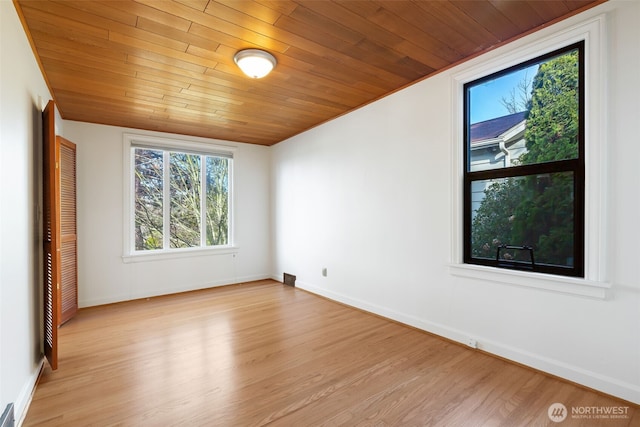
point(266, 354)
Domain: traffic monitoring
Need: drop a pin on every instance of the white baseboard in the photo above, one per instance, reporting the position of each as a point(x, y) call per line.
point(167, 291)
point(84, 303)
point(22, 403)
point(603, 383)
point(253, 278)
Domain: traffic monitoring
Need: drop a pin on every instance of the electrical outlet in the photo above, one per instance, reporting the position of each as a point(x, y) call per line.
point(472, 342)
point(324, 272)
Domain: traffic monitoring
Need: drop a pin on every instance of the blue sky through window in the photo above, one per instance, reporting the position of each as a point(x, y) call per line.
point(485, 97)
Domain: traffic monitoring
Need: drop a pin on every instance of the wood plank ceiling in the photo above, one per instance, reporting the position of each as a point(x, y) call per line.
point(168, 65)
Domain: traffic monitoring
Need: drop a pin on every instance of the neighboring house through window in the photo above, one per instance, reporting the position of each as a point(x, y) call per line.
point(494, 143)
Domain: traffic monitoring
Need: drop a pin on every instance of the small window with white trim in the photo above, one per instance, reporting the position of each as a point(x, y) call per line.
point(179, 196)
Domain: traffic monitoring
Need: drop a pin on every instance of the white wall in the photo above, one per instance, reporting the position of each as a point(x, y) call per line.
point(103, 277)
point(369, 197)
point(21, 86)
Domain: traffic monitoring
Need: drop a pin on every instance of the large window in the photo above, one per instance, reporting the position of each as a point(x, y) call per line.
point(178, 198)
point(524, 165)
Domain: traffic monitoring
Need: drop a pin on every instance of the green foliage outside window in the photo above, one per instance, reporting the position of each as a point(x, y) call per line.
point(552, 119)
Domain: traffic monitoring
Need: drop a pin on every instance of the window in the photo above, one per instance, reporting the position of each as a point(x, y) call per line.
point(179, 196)
point(524, 167)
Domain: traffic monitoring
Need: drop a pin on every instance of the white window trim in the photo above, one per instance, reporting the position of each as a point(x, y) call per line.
point(129, 254)
point(595, 283)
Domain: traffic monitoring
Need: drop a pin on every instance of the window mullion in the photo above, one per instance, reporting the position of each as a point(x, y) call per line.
point(166, 200)
point(203, 201)
point(132, 200)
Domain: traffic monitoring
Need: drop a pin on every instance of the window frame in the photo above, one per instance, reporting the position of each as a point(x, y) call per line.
point(574, 166)
point(595, 282)
point(167, 145)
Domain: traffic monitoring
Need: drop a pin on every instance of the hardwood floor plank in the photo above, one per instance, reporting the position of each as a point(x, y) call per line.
point(266, 354)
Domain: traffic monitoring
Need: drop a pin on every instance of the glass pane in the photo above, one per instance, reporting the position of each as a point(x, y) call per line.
point(148, 199)
point(534, 211)
point(217, 201)
point(184, 217)
point(527, 116)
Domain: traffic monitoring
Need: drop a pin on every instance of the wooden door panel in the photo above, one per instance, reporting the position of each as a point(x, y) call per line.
point(68, 238)
point(51, 236)
point(67, 187)
point(68, 284)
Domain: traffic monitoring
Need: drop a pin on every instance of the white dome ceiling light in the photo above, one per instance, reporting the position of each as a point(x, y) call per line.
point(255, 63)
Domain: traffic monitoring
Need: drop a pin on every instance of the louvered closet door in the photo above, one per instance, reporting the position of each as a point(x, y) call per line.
point(51, 235)
point(68, 238)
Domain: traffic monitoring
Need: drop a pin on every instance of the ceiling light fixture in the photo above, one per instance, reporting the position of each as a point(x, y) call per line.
point(255, 63)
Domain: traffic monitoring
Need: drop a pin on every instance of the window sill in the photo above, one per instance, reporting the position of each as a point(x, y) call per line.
point(547, 282)
point(161, 255)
